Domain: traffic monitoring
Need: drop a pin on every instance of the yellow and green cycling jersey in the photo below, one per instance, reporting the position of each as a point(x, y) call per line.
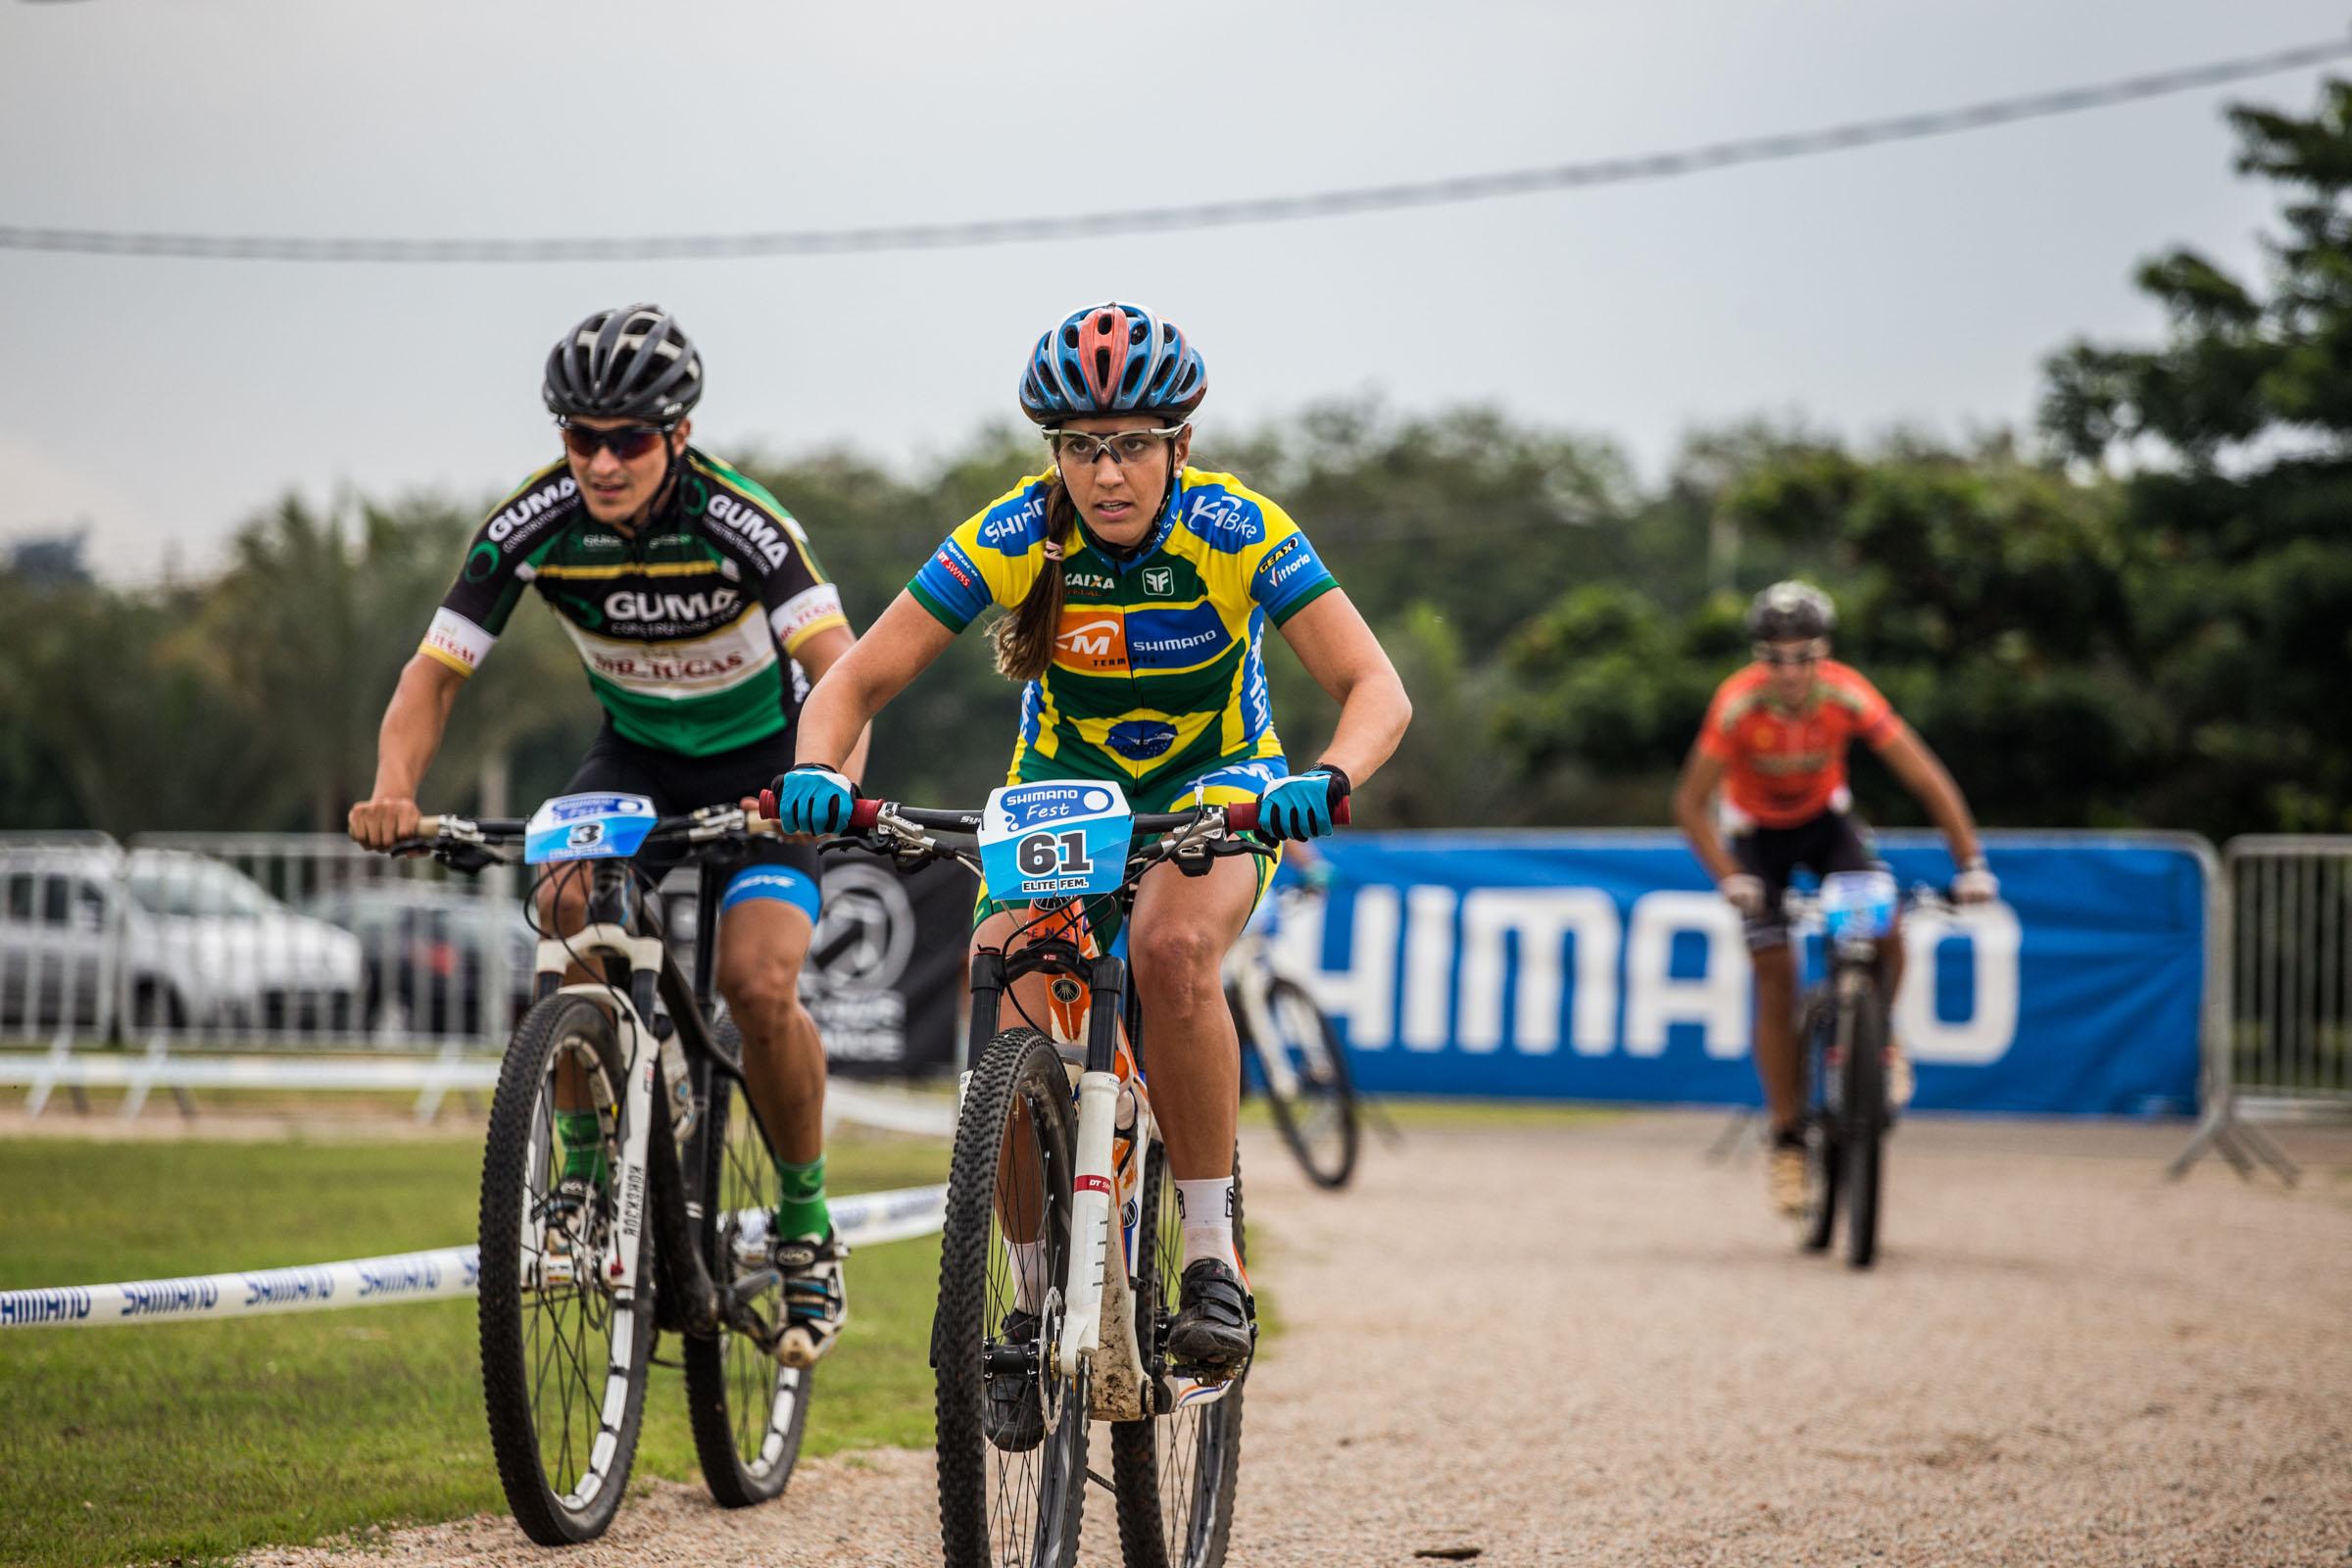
point(1159, 675)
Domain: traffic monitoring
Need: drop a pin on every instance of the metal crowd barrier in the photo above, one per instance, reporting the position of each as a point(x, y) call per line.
point(253, 940)
point(184, 961)
point(2283, 990)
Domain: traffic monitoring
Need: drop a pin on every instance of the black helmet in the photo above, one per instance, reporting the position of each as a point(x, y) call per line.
point(1788, 609)
point(630, 364)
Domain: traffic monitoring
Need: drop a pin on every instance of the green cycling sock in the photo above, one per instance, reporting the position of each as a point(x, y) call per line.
point(583, 1145)
point(803, 1210)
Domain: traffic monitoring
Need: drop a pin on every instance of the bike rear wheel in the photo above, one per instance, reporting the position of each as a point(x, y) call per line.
point(1174, 1473)
point(1862, 1039)
point(1318, 1119)
point(748, 1409)
point(563, 1341)
point(1009, 1179)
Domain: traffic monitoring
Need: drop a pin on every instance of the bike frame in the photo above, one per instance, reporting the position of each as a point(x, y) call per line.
point(1249, 967)
point(1098, 1289)
point(651, 970)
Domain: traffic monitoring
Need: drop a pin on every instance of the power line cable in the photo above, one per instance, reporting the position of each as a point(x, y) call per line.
point(1206, 215)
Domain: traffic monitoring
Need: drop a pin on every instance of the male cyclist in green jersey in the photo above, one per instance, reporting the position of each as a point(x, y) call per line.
point(702, 619)
point(1137, 591)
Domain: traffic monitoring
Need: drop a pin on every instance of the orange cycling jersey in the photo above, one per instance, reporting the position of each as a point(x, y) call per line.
point(1785, 766)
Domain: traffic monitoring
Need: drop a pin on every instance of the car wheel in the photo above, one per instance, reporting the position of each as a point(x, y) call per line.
point(155, 1003)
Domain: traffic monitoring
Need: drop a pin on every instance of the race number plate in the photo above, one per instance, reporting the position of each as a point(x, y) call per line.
point(587, 827)
point(1058, 840)
point(1857, 905)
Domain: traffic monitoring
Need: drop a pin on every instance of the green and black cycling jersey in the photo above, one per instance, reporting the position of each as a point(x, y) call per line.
point(688, 628)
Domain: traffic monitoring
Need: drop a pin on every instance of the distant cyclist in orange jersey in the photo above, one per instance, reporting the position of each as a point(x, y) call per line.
point(1774, 744)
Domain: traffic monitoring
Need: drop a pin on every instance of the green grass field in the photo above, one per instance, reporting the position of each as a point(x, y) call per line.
point(195, 1442)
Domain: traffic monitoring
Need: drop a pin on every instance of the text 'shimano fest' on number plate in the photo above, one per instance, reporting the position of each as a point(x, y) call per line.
point(1040, 841)
point(1858, 905)
point(587, 827)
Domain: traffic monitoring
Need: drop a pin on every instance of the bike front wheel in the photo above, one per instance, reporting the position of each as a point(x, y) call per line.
point(1821, 1131)
point(1862, 1039)
point(1318, 1118)
point(566, 1330)
point(746, 1409)
point(1011, 1475)
point(1174, 1472)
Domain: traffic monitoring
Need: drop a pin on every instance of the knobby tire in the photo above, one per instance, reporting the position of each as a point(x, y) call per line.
point(519, 1352)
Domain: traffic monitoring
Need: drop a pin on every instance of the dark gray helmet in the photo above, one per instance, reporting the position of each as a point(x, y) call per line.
point(631, 363)
point(1788, 609)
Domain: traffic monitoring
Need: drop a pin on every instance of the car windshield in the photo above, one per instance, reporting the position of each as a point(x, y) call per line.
point(196, 886)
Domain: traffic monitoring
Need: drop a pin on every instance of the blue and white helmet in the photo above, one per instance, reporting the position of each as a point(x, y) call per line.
point(1112, 359)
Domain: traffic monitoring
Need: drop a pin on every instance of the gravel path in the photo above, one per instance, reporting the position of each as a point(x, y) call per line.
point(1588, 1345)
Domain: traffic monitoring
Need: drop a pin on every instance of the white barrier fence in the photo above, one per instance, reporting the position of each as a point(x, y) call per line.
point(863, 1219)
point(2280, 987)
point(246, 939)
point(430, 1079)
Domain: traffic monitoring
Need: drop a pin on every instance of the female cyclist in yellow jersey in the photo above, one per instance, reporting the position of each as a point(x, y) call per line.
point(1137, 591)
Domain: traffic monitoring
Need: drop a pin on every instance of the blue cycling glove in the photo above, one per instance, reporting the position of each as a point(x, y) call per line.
point(1299, 806)
point(814, 798)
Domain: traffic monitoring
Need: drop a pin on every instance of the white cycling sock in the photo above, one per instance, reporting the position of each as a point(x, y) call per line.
point(1028, 1274)
point(1206, 1207)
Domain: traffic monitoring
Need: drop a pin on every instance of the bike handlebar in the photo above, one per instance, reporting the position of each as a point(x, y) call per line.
point(1927, 896)
point(434, 829)
point(440, 830)
point(1241, 816)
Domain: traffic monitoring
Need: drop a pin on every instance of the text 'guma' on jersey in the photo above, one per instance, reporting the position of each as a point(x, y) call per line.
point(687, 630)
point(1158, 673)
point(1784, 766)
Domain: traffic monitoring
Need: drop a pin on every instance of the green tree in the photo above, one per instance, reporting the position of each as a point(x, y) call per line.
point(2236, 434)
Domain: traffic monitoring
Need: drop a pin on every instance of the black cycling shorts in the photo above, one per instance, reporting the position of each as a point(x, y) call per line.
point(784, 870)
point(1833, 841)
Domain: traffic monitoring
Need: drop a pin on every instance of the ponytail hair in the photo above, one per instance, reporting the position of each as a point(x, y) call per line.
point(1024, 639)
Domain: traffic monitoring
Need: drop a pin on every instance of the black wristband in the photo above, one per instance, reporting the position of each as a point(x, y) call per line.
point(1340, 788)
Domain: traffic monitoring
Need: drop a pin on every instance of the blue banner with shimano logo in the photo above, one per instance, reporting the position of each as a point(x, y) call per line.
point(1604, 966)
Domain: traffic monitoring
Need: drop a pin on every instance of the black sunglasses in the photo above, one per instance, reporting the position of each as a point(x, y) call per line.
point(629, 442)
point(1810, 653)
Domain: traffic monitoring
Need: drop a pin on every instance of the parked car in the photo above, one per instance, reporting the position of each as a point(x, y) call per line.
point(180, 940)
point(427, 950)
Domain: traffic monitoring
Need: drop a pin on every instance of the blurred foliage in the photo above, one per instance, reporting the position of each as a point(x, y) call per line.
point(2141, 617)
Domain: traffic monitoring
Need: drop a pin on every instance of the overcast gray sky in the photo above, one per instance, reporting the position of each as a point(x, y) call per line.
point(166, 401)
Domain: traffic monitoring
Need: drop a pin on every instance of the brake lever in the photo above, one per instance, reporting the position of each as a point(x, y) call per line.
point(469, 857)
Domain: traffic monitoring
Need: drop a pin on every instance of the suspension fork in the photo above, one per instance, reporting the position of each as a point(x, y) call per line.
point(1092, 1197)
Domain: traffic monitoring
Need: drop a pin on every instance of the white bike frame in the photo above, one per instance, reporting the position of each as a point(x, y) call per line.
point(640, 1068)
point(1099, 1326)
point(1098, 1331)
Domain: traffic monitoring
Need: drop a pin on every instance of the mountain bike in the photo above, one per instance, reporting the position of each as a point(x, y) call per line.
point(1843, 1055)
point(576, 1274)
point(1298, 1053)
point(1059, 1174)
